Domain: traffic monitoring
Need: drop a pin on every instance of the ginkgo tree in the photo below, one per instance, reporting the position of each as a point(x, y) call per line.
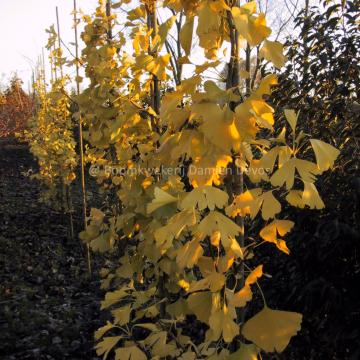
point(50, 135)
point(201, 163)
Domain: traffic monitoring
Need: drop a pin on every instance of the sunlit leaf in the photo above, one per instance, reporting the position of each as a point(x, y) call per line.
point(273, 51)
point(326, 154)
point(272, 330)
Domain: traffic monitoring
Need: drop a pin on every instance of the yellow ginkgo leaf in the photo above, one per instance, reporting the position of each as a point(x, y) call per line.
point(217, 126)
point(273, 51)
point(263, 113)
point(311, 197)
point(249, 7)
point(254, 275)
point(156, 66)
point(226, 262)
point(268, 160)
point(246, 352)
point(285, 153)
point(205, 197)
point(326, 154)
point(215, 94)
point(306, 169)
point(159, 346)
point(272, 330)
point(209, 29)
point(203, 67)
point(96, 216)
point(245, 121)
point(103, 242)
point(281, 137)
point(213, 282)
point(265, 85)
point(186, 34)
point(176, 224)
point(236, 249)
point(164, 30)
point(270, 206)
point(250, 202)
point(294, 198)
point(270, 233)
point(161, 198)
point(101, 331)
point(215, 221)
point(189, 254)
point(178, 309)
point(244, 295)
point(286, 173)
point(129, 353)
point(175, 118)
point(241, 297)
point(106, 345)
point(113, 297)
point(247, 203)
point(291, 118)
point(222, 323)
point(169, 103)
point(136, 13)
point(121, 315)
point(215, 238)
point(250, 27)
point(207, 170)
point(200, 304)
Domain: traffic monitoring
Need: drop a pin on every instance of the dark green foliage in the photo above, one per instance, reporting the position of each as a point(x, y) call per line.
point(321, 279)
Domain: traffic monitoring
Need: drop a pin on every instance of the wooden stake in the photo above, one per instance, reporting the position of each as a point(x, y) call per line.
point(43, 69)
point(67, 192)
point(81, 142)
point(54, 67)
point(59, 38)
point(155, 103)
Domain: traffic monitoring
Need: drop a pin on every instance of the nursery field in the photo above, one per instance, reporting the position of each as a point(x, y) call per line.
point(181, 181)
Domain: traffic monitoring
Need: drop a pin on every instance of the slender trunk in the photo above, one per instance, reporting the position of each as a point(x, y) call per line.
point(69, 207)
point(109, 37)
point(62, 196)
point(81, 143)
point(248, 69)
point(236, 183)
point(152, 24)
point(179, 54)
point(155, 102)
point(108, 14)
point(59, 38)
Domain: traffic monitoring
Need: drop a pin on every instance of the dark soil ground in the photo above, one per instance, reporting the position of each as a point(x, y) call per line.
point(49, 308)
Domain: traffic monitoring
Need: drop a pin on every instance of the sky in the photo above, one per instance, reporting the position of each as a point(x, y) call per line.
point(23, 36)
point(22, 29)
